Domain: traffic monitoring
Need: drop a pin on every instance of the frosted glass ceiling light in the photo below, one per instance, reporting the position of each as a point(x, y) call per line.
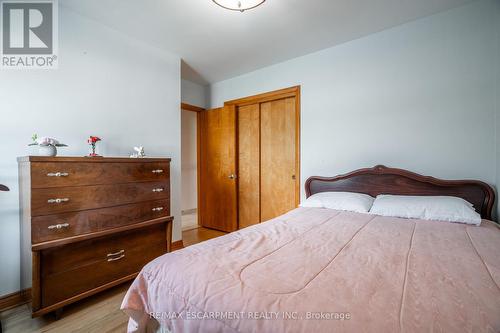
point(239, 5)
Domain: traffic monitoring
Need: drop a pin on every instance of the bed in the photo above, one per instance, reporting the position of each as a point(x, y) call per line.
point(324, 270)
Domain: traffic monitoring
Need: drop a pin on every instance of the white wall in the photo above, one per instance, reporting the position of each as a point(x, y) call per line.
point(108, 85)
point(194, 93)
point(189, 158)
point(420, 96)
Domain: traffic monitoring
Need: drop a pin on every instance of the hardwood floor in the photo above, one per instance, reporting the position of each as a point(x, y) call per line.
point(98, 314)
point(200, 234)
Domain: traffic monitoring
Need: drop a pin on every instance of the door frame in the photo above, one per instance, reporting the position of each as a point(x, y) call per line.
point(197, 109)
point(272, 96)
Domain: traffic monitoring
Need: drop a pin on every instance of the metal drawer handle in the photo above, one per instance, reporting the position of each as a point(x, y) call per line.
point(116, 253)
point(157, 209)
point(158, 190)
point(57, 174)
point(117, 258)
point(58, 226)
point(157, 171)
point(58, 200)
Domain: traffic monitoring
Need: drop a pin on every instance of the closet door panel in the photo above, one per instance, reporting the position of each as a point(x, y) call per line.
point(278, 157)
point(218, 201)
point(248, 165)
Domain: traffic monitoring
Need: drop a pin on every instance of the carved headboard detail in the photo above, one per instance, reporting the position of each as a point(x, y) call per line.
point(383, 180)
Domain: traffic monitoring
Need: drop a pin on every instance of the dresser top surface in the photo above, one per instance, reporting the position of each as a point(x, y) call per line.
point(25, 159)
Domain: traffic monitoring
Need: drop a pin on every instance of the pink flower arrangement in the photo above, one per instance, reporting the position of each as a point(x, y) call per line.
point(45, 141)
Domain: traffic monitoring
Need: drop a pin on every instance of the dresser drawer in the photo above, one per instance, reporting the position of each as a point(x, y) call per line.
point(59, 174)
point(67, 271)
point(50, 201)
point(51, 227)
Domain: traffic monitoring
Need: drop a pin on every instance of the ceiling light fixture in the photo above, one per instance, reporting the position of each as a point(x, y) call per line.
point(239, 5)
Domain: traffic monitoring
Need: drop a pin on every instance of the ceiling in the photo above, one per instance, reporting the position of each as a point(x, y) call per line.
point(216, 44)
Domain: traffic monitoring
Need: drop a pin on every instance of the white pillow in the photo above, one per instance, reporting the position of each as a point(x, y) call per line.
point(349, 201)
point(438, 208)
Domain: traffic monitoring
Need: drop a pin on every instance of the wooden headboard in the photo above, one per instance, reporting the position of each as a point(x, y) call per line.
point(384, 180)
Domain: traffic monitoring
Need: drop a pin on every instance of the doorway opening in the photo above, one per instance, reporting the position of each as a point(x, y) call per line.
point(189, 166)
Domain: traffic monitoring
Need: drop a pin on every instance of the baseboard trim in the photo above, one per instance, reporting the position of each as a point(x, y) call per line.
point(191, 227)
point(177, 245)
point(15, 299)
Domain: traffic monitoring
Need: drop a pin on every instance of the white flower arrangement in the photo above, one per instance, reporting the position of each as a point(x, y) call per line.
point(45, 141)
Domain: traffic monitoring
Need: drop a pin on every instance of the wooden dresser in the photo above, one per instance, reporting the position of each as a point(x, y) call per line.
point(88, 224)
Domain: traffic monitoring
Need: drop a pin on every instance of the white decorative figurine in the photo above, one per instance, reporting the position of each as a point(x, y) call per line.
point(139, 152)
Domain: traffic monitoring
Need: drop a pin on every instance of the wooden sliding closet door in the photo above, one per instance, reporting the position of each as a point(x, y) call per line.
point(218, 186)
point(249, 165)
point(278, 157)
point(249, 160)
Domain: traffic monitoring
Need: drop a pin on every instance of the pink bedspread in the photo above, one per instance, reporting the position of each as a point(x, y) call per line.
point(320, 270)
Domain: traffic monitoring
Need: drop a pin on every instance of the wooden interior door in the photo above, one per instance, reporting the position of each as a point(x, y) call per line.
point(278, 157)
point(248, 165)
point(218, 184)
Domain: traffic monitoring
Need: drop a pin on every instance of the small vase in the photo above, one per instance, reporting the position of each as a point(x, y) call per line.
point(49, 151)
point(92, 152)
